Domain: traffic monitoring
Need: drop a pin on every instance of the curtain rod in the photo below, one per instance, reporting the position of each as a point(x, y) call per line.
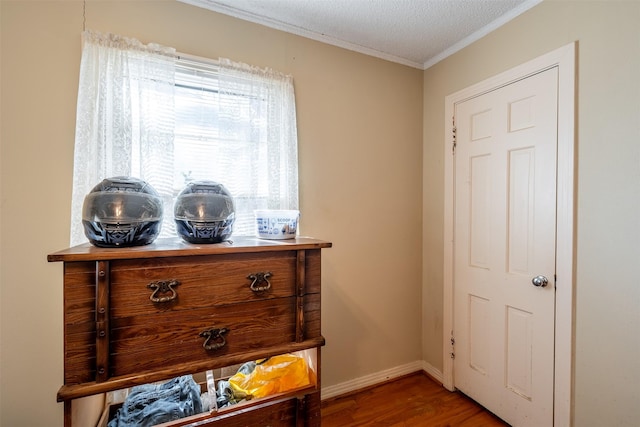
point(196, 58)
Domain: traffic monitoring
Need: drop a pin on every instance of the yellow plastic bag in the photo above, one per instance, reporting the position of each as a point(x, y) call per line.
point(274, 375)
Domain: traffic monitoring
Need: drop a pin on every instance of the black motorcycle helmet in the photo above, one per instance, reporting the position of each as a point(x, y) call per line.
point(204, 212)
point(122, 211)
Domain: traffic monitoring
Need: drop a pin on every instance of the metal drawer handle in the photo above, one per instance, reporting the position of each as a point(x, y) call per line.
point(215, 335)
point(163, 287)
point(258, 281)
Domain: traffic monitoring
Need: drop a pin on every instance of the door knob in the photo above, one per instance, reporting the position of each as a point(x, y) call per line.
point(540, 281)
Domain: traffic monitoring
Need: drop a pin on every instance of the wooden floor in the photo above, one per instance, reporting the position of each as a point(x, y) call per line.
point(413, 400)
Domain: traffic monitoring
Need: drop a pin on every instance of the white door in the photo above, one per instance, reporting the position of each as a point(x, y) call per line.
point(504, 248)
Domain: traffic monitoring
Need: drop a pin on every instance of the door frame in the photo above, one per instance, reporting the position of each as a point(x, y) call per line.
point(564, 59)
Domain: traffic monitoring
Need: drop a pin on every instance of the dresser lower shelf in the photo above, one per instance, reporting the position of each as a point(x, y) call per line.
point(294, 406)
point(300, 408)
point(75, 391)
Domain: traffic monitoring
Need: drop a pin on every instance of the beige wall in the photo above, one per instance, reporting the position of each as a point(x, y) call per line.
point(360, 138)
point(361, 124)
point(607, 362)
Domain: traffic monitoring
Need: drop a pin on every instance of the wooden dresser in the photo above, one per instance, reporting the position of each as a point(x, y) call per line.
point(150, 313)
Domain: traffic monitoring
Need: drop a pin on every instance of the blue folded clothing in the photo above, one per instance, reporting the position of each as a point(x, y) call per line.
point(151, 404)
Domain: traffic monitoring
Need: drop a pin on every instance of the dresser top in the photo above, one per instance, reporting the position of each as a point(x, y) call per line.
point(166, 247)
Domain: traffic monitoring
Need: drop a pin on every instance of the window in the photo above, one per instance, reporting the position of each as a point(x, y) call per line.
point(222, 136)
point(183, 119)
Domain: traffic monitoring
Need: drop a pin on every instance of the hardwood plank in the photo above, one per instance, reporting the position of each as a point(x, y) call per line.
point(412, 400)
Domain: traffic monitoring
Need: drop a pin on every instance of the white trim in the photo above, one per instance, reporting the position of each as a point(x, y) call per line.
point(324, 38)
point(436, 374)
point(565, 59)
point(299, 31)
point(565, 241)
point(473, 37)
point(370, 380)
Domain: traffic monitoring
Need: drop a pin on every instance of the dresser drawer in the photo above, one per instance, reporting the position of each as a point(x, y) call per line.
point(147, 342)
point(198, 282)
point(142, 344)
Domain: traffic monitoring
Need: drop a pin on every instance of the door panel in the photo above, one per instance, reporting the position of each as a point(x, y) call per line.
point(504, 235)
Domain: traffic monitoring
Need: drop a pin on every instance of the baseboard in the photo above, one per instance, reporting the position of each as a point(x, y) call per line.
point(432, 372)
point(376, 378)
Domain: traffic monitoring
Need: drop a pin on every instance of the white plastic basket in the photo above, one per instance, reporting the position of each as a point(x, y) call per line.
point(277, 224)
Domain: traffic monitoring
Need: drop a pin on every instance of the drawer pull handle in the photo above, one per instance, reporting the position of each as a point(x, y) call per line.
point(163, 287)
point(259, 280)
point(215, 335)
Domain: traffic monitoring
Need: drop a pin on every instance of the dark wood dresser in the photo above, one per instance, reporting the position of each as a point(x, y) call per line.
point(150, 313)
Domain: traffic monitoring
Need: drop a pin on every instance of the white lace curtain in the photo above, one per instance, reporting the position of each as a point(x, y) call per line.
point(125, 124)
point(271, 166)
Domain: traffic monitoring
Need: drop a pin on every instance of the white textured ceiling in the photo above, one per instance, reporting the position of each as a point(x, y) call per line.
point(417, 33)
